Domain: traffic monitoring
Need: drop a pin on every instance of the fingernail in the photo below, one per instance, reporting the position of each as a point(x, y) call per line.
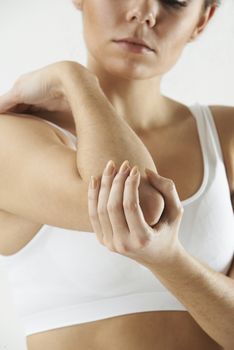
point(124, 167)
point(134, 171)
point(110, 167)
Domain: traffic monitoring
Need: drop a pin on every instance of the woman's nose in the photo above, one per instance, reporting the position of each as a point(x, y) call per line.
point(143, 14)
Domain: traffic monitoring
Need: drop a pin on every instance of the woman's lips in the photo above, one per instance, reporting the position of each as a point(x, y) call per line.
point(132, 47)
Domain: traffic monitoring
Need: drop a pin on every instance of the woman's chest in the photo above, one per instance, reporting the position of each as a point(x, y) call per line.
point(177, 154)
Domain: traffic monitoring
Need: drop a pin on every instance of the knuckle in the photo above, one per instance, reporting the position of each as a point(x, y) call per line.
point(118, 179)
point(122, 247)
point(93, 216)
point(112, 208)
point(180, 211)
point(102, 211)
point(129, 181)
point(104, 184)
point(170, 185)
point(130, 206)
point(142, 242)
point(108, 244)
point(110, 247)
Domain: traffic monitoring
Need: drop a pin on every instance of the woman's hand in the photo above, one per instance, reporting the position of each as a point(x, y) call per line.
point(118, 221)
point(41, 90)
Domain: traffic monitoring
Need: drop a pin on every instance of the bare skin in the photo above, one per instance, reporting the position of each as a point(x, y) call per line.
point(157, 119)
point(162, 329)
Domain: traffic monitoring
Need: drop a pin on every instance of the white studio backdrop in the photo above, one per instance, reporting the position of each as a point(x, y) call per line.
point(36, 33)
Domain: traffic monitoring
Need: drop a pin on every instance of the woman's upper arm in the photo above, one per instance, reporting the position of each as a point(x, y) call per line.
point(224, 120)
point(39, 179)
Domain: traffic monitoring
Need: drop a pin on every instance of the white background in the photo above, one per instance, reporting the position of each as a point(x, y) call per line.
point(35, 33)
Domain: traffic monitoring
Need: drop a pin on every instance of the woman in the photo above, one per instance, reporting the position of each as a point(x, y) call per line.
point(158, 272)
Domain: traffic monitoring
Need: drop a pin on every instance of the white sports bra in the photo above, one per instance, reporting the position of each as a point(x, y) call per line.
point(65, 277)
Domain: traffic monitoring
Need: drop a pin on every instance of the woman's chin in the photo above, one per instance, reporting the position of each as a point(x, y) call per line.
point(130, 72)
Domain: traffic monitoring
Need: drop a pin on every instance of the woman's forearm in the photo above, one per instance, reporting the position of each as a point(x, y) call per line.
point(102, 134)
point(208, 295)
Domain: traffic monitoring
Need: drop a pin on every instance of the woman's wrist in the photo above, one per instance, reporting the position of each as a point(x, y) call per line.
point(84, 95)
point(71, 72)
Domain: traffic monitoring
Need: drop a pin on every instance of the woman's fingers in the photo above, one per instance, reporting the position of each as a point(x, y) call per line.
point(133, 213)
point(105, 205)
point(93, 192)
point(115, 212)
point(105, 224)
point(115, 206)
point(119, 222)
point(166, 187)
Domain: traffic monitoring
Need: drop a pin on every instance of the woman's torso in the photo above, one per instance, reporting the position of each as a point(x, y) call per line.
point(172, 330)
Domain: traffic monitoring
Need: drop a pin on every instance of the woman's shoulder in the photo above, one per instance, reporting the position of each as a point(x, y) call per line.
point(224, 112)
point(224, 115)
point(224, 120)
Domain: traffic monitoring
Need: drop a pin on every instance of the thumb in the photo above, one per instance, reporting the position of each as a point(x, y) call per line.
point(168, 190)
